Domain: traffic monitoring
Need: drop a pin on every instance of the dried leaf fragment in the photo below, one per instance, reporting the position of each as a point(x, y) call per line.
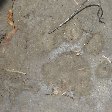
point(10, 21)
point(10, 18)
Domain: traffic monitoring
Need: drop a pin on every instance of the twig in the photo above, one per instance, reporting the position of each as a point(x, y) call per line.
point(15, 71)
point(76, 2)
point(77, 12)
point(107, 58)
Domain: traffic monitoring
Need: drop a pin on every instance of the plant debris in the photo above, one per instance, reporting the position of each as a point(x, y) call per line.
point(10, 21)
point(99, 15)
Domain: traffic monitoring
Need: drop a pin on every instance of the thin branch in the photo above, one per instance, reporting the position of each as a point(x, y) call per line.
point(15, 71)
point(100, 10)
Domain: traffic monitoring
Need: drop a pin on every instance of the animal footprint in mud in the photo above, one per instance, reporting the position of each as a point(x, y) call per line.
point(14, 83)
point(95, 44)
point(104, 70)
point(73, 31)
point(70, 69)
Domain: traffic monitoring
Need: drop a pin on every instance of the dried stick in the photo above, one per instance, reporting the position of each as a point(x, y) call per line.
point(100, 10)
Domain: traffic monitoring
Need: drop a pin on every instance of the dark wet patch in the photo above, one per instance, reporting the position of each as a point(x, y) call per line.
point(2, 3)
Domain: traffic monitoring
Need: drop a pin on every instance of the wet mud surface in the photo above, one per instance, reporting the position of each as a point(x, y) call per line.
point(62, 70)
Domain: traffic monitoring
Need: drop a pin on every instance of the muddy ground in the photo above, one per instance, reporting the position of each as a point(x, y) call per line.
point(68, 70)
